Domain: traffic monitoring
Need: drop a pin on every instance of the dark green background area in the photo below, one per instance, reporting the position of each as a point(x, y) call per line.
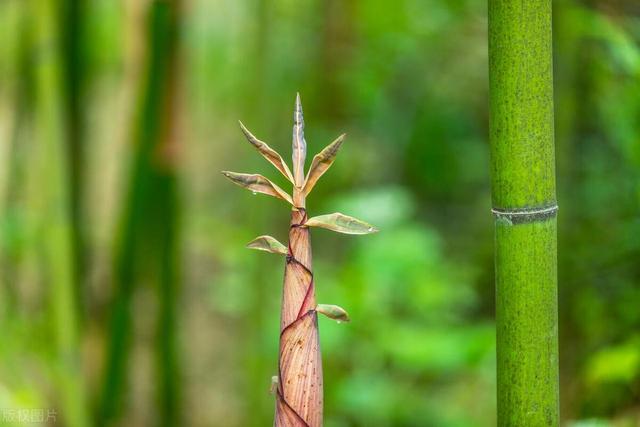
point(124, 145)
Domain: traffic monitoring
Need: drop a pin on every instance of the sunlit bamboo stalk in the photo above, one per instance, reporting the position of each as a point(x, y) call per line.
point(15, 82)
point(56, 218)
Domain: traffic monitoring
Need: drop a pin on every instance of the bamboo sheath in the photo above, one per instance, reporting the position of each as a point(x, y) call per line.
point(524, 206)
point(299, 394)
point(299, 380)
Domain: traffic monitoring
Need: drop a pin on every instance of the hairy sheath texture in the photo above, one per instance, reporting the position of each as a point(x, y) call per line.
point(299, 401)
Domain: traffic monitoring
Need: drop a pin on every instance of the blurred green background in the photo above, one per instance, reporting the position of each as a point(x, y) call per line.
point(127, 295)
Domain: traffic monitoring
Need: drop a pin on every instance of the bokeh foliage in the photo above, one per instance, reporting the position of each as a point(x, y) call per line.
point(407, 81)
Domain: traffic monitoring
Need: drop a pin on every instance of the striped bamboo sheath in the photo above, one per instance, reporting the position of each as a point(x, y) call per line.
point(299, 394)
point(298, 385)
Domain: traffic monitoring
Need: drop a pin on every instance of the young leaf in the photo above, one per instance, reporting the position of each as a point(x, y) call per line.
point(299, 145)
point(268, 244)
point(333, 312)
point(321, 162)
point(341, 223)
point(268, 153)
point(258, 184)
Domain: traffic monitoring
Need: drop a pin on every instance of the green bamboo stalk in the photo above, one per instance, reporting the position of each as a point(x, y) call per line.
point(299, 384)
point(148, 241)
point(57, 231)
point(167, 226)
point(18, 44)
point(74, 72)
point(524, 206)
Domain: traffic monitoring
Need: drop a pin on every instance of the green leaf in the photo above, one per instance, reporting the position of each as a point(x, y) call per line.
point(334, 312)
point(268, 244)
point(268, 153)
point(619, 364)
point(258, 184)
point(341, 223)
point(321, 163)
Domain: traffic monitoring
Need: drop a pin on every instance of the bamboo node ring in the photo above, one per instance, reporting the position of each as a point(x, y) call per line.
point(524, 215)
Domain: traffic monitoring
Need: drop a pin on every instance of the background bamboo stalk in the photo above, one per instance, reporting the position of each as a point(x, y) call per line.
point(166, 26)
point(57, 234)
point(148, 247)
point(72, 31)
point(12, 177)
point(523, 193)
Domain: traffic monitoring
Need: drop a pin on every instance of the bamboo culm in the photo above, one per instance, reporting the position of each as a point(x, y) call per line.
point(298, 386)
point(524, 207)
point(57, 229)
point(148, 244)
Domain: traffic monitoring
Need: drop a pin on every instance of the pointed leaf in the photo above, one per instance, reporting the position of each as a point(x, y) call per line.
point(321, 162)
point(258, 184)
point(299, 145)
point(268, 153)
point(268, 244)
point(341, 223)
point(333, 312)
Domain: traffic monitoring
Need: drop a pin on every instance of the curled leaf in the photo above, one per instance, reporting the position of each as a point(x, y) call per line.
point(334, 312)
point(299, 145)
point(321, 162)
point(258, 184)
point(267, 244)
point(341, 223)
point(268, 153)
